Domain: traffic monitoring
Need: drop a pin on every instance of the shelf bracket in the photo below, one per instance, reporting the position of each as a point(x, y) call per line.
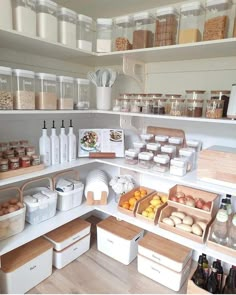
point(126, 123)
point(135, 69)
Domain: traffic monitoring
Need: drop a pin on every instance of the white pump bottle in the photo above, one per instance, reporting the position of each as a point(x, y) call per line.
point(45, 146)
point(71, 144)
point(55, 157)
point(63, 144)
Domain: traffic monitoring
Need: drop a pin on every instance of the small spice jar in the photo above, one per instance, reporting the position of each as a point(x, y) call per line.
point(8, 154)
point(131, 157)
point(169, 150)
point(147, 137)
point(3, 165)
point(24, 143)
point(145, 160)
point(176, 104)
point(190, 155)
point(125, 104)
point(35, 160)
point(140, 146)
point(162, 139)
point(214, 109)
point(161, 163)
point(30, 150)
point(117, 105)
point(222, 95)
point(147, 105)
point(177, 142)
point(25, 161)
point(154, 148)
point(3, 146)
point(135, 104)
point(20, 152)
point(195, 99)
point(159, 105)
point(13, 144)
point(14, 163)
point(178, 166)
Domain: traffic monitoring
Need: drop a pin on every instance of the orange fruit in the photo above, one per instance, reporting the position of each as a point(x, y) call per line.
point(125, 206)
point(143, 192)
point(137, 197)
point(137, 194)
point(132, 201)
point(131, 208)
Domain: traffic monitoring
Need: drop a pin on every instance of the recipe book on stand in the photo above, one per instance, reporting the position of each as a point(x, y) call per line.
point(101, 141)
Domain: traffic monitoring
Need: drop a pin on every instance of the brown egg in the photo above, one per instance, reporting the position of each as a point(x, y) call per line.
point(13, 201)
point(5, 211)
point(1, 213)
point(11, 209)
point(20, 205)
point(5, 205)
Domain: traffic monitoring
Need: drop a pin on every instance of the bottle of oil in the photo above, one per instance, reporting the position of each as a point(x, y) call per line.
point(199, 275)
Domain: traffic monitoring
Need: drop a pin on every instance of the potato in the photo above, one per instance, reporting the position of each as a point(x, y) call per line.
point(176, 220)
point(181, 215)
point(5, 205)
point(202, 225)
point(188, 220)
point(20, 205)
point(13, 201)
point(184, 227)
point(196, 229)
point(168, 221)
point(12, 209)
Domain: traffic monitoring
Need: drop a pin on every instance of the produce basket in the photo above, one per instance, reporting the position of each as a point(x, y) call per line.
point(41, 202)
point(13, 221)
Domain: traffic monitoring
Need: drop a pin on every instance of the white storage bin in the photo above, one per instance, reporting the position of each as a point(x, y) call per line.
point(6, 14)
point(25, 267)
point(118, 239)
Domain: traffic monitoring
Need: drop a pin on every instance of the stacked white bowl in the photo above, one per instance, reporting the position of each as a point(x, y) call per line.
point(96, 182)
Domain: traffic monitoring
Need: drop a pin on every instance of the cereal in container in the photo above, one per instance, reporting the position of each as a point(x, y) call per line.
point(6, 99)
point(46, 91)
point(123, 31)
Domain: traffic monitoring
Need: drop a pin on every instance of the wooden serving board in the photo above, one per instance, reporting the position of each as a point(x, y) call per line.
point(21, 171)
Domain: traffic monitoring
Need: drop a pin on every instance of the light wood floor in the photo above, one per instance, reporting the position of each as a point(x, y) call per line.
point(94, 272)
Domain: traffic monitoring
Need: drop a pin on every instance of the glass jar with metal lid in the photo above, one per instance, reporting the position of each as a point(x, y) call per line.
point(135, 104)
point(125, 102)
point(222, 95)
point(176, 104)
point(123, 33)
point(6, 99)
point(117, 105)
point(85, 32)
point(147, 105)
point(195, 101)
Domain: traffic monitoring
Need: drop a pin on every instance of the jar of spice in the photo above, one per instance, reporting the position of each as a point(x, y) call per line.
point(125, 105)
point(117, 105)
point(104, 35)
point(25, 161)
point(131, 157)
point(162, 139)
point(143, 34)
point(30, 150)
point(222, 95)
point(214, 109)
point(147, 105)
point(161, 163)
point(13, 144)
point(6, 99)
point(20, 152)
point(8, 154)
point(178, 166)
point(176, 104)
point(3, 146)
point(159, 105)
point(140, 146)
point(169, 150)
point(3, 165)
point(123, 33)
point(35, 160)
point(154, 148)
point(145, 160)
point(24, 143)
point(14, 163)
point(177, 142)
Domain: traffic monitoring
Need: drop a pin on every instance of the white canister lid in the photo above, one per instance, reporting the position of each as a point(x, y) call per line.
point(178, 162)
point(161, 138)
point(82, 81)
point(104, 21)
point(153, 146)
point(131, 153)
point(66, 79)
point(68, 12)
point(139, 144)
point(215, 3)
point(85, 18)
point(5, 71)
point(48, 3)
point(45, 76)
point(142, 16)
point(176, 140)
point(192, 6)
point(193, 143)
point(123, 20)
point(186, 152)
point(162, 159)
point(147, 136)
point(166, 11)
point(168, 148)
point(145, 156)
point(23, 73)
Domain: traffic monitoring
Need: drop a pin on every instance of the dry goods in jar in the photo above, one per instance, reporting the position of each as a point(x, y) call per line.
point(3, 165)
point(215, 28)
point(65, 104)
point(189, 36)
point(46, 101)
point(14, 163)
point(24, 100)
point(6, 100)
point(142, 39)
point(123, 43)
point(166, 31)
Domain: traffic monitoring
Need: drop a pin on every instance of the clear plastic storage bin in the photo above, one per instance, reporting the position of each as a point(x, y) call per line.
point(161, 163)
point(82, 94)
point(47, 20)
point(104, 35)
point(217, 24)
point(24, 16)
point(123, 39)
point(67, 20)
point(191, 22)
point(143, 34)
point(6, 99)
point(145, 160)
point(167, 20)
point(85, 32)
point(131, 157)
point(24, 90)
point(6, 14)
point(65, 93)
point(46, 91)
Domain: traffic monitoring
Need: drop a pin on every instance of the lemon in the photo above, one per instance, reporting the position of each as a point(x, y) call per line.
point(151, 215)
point(145, 213)
point(155, 202)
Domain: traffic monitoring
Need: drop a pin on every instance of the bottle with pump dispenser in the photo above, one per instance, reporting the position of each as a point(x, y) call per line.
point(45, 146)
point(55, 157)
point(71, 144)
point(63, 144)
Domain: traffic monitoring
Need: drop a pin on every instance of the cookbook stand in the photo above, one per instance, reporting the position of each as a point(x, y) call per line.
point(91, 201)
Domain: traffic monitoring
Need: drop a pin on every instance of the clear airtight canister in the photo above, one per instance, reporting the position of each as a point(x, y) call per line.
point(24, 90)
point(46, 92)
point(85, 32)
point(6, 99)
point(123, 32)
point(47, 20)
point(24, 16)
point(82, 101)
point(191, 22)
point(67, 20)
point(104, 34)
point(6, 14)
point(65, 93)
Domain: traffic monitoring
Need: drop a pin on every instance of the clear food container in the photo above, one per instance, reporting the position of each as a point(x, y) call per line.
point(154, 148)
point(46, 91)
point(104, 34)
point(195, 103)
point(147, 137)
point(67, 20)
point(135, 104)
point(6, 14)
point(147, 106)
point(177, 142)
point(195, 144)
point(24, 16)
point(47, 20)
point(6, 99)
point(117, 105)
point(131, 157)
point(3, 165)
point(161, 163)
point(190, 155)
point(162, 139)
point(222, 95)
point(167, 19)
point(214, 109)
point(123, 32)
point(143, 34)
point(191, 22)
point(169, 150)
point(139, 146)
point(23, 90)
point(82, 94)
point(217, 25)
point(125, 105)
point(3, 146)
point(85, 32)
point(145, 160)
point(159, 105)
point(177, 105)
point(65, 93)
point(178, 166)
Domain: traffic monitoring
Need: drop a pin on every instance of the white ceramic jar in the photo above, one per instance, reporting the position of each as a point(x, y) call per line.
point(6, 14)
point(67, 20)
point(85, 32)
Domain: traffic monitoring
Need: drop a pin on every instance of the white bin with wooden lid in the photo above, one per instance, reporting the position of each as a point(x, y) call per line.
point(25, 267)
point(161, 259)
point(69, 241)
point(118, 239)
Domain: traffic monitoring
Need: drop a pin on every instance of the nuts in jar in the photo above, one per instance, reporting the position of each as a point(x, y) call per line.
point(14, 163)
point(24, 143)
point(30, 150)
point(25, 161)
point(3, 146)
point(8, 154)
point(13, 144)
point(35, 160)
point(19, 152)
point(214, 109)
point(3, 165)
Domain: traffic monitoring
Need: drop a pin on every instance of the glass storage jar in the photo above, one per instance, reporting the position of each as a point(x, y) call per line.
point(3, 165)
point(176, 104)
point(67, 20)
point(24, 16)
point(123, 33)
point(104, 34)
point(14, 163)
point(147, 137)
point(117, 105)
point(6, 99)
point(82, 94)
point(178, 166)
point(145, 160)
point(135, 104)
point(190, 155)
point(6, 14)
point(143, 34)
point(30, 150)
point(222, 95)
point(35, 160)
point(3, 146)
point(23, 90)
point(19, 152)
point(167, 19)
point(125, 102)
point(47, 20)
point(139, 146)
point(195, 103)
point(214, 109)
point(161, 163)
point(46, 91)
point(13, 145)
point(154, 148)
point(191, 22)
point(159, 105)
point(162, 139)
point(24, 143)
point(217, 24)
point(131, 157)
point(85, 32)
point(147, 105)
point(7, 154)
point(169, 150)
point(65, 93)
point(25, 162)
point(177, 142)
